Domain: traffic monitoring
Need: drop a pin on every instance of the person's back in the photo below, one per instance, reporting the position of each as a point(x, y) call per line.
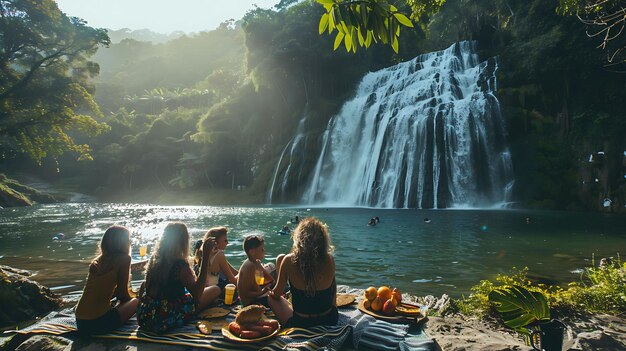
point(99, 289)
point(310, 271)
point(109, 276)
point(172, 292)
point(313, 307)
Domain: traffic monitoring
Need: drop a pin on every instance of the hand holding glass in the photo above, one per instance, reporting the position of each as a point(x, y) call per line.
point(259, 273)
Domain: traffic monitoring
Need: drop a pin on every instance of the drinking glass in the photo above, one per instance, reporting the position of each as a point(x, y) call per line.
point(259, 274)
point(143, 250)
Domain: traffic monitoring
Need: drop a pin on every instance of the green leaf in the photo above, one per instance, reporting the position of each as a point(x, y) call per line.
point(395, 45)
point(364, 14)
point(360, 36)
point(518, 306)
point(348, 42)
point(404, 20)
point(326, 2)
point(338, 40)
point(323, 23)
point(368, 39)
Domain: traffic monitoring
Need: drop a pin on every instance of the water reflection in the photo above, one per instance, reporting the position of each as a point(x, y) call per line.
point(449, 254)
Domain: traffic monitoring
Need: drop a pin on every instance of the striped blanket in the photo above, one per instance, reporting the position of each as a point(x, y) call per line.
point(354, 330)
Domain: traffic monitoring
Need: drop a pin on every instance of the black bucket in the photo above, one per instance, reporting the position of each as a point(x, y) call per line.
point(551, 335)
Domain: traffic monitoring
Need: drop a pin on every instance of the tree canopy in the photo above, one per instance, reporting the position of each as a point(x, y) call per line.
point(45, 81)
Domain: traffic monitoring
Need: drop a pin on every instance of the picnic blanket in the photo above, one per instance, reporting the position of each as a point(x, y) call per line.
point(354, 329)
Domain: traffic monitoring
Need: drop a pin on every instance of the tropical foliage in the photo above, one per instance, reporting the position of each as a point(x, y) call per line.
point(359, 23)
point(600, 289)
point(519, 307)
point(214, 110)
point(45, 86)
point(605, 21)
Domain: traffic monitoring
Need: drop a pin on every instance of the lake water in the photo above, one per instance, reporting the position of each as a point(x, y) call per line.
point(448, 255)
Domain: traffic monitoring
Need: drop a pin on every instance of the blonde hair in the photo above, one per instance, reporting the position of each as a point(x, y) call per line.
point(216, 232)
point(311, 246)
point(172, 246)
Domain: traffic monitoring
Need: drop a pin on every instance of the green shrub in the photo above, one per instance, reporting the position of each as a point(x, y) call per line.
point(601, 289)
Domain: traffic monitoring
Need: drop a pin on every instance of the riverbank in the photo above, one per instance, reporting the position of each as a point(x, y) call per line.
point(449, 331)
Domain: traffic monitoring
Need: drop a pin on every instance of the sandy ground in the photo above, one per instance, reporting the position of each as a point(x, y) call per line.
point(458, 333)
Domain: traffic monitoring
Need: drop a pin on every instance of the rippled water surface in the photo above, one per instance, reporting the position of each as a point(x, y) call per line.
point(448, 255)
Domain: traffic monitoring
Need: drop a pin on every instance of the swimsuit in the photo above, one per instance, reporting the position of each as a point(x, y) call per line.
point(310, 311)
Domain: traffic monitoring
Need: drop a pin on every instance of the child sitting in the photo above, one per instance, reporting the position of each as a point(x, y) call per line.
point(254, 280)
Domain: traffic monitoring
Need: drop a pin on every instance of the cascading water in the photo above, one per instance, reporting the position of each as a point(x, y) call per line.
point(426, 133)
point(293, 157)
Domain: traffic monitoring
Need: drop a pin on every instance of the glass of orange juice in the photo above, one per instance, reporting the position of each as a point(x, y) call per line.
point(229, 293)
point(259, 274)
point(143, 250)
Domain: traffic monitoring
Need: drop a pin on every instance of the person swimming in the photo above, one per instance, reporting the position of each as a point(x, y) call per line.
point(426, 220)
point(372, 222)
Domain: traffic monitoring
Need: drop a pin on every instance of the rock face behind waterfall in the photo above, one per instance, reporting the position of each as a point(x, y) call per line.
point(427, 133)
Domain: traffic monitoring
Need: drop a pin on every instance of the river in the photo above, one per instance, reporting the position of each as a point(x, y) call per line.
point(451, 253)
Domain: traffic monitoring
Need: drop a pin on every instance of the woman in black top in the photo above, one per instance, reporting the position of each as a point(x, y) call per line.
point(310, 271)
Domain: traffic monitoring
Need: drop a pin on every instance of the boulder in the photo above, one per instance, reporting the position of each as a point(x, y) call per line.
point(596, 340)
point(22, 298)
point(15, 194)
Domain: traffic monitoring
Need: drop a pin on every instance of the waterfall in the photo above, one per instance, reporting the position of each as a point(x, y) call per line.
point(427, 133)
point(291, 160)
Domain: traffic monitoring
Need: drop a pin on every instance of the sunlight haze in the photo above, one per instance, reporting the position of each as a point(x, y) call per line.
point(160, 16)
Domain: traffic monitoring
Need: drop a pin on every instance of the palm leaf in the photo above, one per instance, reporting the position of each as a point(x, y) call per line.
point(518, 306)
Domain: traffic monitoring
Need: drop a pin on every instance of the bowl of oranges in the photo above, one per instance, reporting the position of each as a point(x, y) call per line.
point(386, 304)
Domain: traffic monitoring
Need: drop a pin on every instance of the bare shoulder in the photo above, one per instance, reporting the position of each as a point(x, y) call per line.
point(289, 258)
point(246, 266)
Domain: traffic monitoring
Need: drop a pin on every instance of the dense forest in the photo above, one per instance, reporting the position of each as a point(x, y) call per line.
point(207, 114)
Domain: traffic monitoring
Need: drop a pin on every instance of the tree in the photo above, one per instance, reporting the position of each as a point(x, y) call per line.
point(45, 79)
point(605, 19)
point(361, 22)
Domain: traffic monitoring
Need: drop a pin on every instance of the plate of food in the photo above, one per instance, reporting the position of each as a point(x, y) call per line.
point(213, 312)
point(401, 313)
point(250, 325)
point(345, 299)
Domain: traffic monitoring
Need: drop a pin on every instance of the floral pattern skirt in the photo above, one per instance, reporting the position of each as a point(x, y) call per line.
point(161, 315)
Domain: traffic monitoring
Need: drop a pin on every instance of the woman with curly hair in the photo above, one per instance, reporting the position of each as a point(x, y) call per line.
point(310, 271)
point(172, 292)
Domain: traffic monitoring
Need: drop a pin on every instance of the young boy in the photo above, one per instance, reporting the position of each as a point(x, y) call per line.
point(249, 290)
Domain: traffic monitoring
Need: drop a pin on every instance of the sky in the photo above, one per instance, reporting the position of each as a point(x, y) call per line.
point(158, 15)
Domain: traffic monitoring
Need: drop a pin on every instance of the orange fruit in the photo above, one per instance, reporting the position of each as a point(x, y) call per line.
point(394, 301)
point(384, 293)
point(397, 294)
point(389, 308)
point(367, 304)
point(377, 305)
point(370, 293)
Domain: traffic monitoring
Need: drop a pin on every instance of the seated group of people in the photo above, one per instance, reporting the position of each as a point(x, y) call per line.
point(173, 291)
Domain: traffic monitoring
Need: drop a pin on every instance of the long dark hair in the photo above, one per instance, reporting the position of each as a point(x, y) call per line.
point(311, 246)
point(172, 246)
point(115, 241)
